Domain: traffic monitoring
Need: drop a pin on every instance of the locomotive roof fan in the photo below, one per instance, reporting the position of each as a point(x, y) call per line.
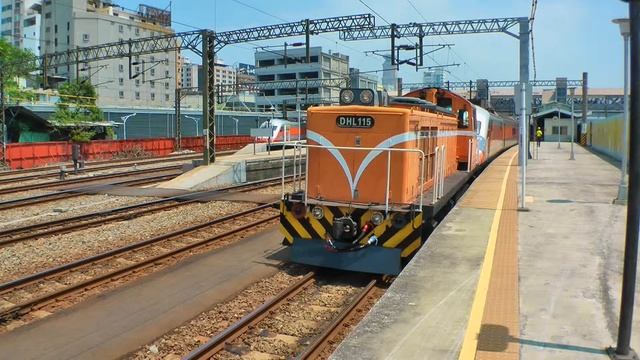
point(368, 97)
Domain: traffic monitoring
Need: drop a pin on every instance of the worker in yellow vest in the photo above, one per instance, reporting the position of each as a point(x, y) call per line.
point(538, 136)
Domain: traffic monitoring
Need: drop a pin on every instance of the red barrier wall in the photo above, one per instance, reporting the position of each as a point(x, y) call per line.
point(28, 155)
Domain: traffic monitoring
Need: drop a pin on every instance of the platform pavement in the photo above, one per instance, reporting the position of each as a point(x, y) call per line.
point(564, 291)
point(571, 256)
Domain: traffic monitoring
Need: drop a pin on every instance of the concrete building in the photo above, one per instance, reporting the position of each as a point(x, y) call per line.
point(433, 77)
point(270, 66)
point(20, 23)
point(246, 73)
point(189, 73)
point(389, 75)
point(362, 81)
point(149, 80)
point(225, 74)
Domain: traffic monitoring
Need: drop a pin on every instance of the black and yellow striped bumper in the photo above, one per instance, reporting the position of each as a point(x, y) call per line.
point(399, 236)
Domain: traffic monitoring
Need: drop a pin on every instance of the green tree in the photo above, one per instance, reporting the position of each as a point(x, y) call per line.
point(77, 107)
point(77, 104)
point(16, 63)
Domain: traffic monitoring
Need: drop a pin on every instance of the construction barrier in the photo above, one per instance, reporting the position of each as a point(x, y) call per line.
point(28, 155)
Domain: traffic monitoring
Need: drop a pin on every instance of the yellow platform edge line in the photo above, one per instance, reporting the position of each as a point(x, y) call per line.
point(470, 342)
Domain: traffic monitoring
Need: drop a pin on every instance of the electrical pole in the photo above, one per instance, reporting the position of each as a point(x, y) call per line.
point(623, 349)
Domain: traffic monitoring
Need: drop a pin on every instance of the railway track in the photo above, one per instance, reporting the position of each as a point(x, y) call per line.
point(61, 226)
point(7, 178)
point(89, 179)
point(73, 192)
point(79, 278)
point(251, 325)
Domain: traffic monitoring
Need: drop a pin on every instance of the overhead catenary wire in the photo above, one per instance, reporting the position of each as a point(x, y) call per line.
point(442, 38)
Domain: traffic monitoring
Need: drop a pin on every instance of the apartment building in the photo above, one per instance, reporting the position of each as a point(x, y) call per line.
point(148, 80)
point(20, 23)
point(272, 66)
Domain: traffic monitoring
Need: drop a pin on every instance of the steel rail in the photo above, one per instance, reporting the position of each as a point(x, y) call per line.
point(73, 192)
point(57, 183)
point(38, 302)
point(27, 232)
point(4, 179)
point(314, 350)
point(217, 343)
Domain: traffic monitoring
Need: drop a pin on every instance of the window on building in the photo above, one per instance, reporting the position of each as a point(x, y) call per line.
point(55, 28)
point(152, 72)
point(55, 42)
point(68, 26)
point(166, 85)
point(47, 29)
point(7, 7)
point(167, 97)
point(121, 68)
point(137, 95)
point(6, 20)
point(137, 82)
point(30, 21)
point(152, 58)
point(153, 96)
point(137, 31)
point(153, 84)
point(166, 73)
point(121, 28)
point(121, 94)
point(68, 40)
point(47, 15)
point(85, 37)
point(121, 81)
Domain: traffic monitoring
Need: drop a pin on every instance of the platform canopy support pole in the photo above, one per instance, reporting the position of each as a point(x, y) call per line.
point(524, 123)
point(623, 348)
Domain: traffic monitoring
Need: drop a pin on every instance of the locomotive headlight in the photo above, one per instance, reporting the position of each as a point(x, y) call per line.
point(366, 96)
point(298, 210)
point(346, 96)
point(377, 218)
point(317, 212)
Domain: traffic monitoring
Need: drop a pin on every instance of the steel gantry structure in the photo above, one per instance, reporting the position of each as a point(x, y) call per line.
point(204, 43)
point(498, 83)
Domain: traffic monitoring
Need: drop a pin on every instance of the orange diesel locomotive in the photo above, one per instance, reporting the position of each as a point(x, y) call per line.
point(377, 175)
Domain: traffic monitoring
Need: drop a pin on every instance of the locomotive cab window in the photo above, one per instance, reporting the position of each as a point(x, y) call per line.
point(463, 118)
point(446, 103)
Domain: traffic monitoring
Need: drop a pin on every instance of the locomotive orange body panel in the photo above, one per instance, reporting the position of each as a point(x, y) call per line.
point(359, 175)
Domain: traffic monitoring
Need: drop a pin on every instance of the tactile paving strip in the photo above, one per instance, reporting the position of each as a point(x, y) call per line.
point(500, 329)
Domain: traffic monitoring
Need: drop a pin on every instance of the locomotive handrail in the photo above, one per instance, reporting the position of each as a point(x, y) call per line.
point(388, 150)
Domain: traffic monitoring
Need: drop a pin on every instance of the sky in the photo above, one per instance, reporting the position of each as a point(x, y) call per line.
point(570, 36)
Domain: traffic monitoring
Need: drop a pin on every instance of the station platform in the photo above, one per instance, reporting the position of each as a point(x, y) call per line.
point(493, 282)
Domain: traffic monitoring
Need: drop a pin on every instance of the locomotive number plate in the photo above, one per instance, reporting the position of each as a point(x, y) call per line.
point(352, 121)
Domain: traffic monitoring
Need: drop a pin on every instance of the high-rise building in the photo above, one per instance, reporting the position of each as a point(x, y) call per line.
point(20, 23)
point(434, 78)
point(271, 66)
point(224, 74)
point(142, 80)
point(189, 74)
point(389, 75)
